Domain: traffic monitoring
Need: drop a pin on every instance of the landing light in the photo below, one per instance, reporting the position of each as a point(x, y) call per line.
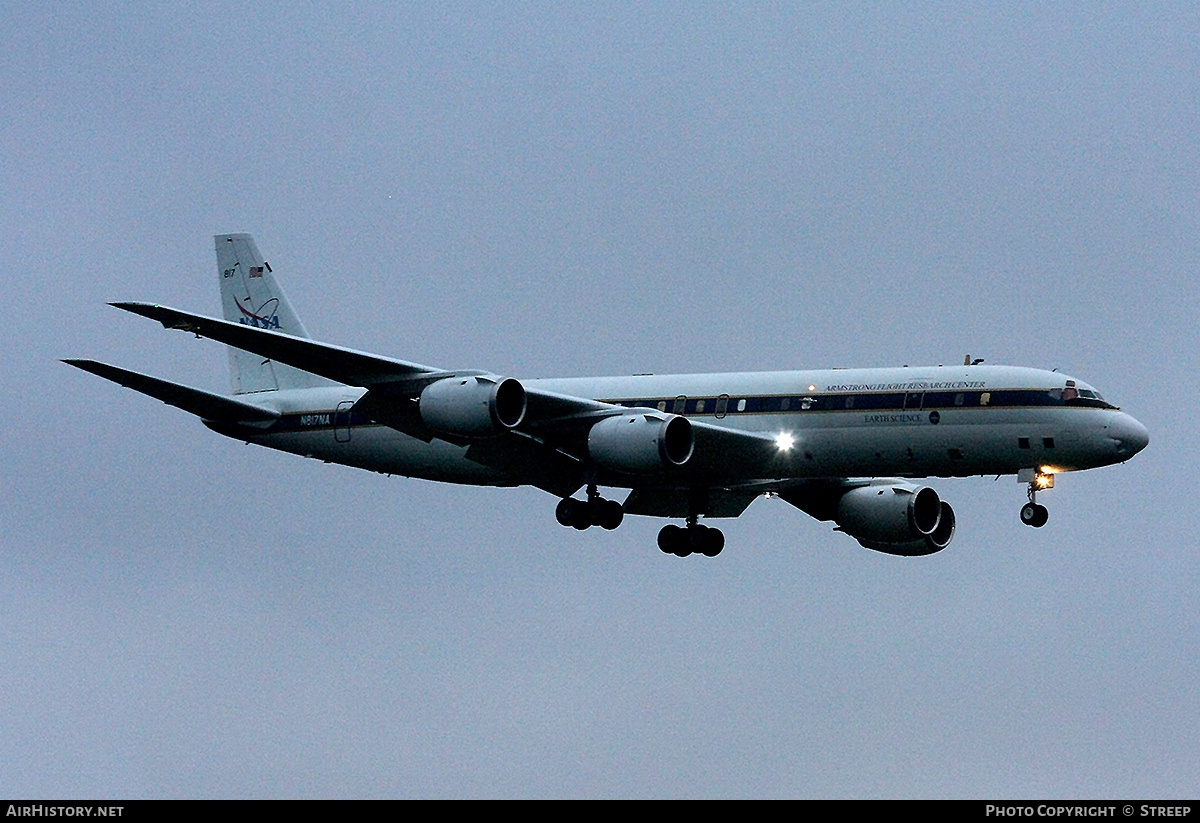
point(1044, 479)
point(784, 441)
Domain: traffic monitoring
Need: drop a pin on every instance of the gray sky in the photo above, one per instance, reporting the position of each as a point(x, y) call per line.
point(591, 189)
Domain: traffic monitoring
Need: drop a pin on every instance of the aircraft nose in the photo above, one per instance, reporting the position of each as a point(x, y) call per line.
point(1130, 435)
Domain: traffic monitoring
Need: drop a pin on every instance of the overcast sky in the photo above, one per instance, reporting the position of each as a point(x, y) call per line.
point(553, 190)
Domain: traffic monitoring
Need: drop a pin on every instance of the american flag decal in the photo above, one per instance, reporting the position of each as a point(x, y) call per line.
point(256, 271)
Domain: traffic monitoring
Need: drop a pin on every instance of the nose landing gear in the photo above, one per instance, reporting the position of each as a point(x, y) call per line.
point(1033, 513)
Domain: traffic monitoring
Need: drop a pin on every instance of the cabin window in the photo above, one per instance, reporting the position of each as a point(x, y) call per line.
point(785, 404)
point(699, 407)
point(985, 398)
point(849, 401)
point(722, 405)
point(680, 402)
point(662, 405)
point(741, 406)
point(1022, 442)
point(959, 399)
point(1048, 442)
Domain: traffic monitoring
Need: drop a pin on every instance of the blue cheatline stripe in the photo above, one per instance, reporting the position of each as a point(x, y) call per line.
point(866, 401)
point(734, 406)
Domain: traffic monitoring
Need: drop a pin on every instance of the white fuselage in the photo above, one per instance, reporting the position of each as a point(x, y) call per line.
point(906, 422)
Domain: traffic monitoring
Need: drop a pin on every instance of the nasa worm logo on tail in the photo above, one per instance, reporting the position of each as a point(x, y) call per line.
point(264, 318)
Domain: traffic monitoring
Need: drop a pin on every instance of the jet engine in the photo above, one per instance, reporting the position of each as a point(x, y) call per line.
point(641, 443)
point(900, 519)
point(475, 406)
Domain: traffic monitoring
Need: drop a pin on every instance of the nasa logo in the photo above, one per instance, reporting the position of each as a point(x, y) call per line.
point(260, 319)
point(271, 322)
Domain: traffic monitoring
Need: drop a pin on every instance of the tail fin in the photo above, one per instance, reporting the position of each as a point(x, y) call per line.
point(250, 295)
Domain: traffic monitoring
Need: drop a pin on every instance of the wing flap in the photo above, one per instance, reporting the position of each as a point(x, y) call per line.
point(536, 463)
point(665, 502)
point(205, 405)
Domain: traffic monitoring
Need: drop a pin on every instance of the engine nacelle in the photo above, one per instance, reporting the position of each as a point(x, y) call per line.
point(473, 406)
point(898, 519)
point(641, 443)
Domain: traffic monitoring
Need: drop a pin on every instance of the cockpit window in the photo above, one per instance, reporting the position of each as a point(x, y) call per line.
point(1075, 396)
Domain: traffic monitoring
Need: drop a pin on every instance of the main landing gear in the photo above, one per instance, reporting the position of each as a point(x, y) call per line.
point(608, 514)
point(694, 538)
point(1033, 513)
point(596, 511)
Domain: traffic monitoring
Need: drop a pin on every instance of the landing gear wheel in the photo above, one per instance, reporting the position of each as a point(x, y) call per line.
point(714, 541)
point(611, 514)
point(670, 540)
point(566, 510)
point(1034, 514)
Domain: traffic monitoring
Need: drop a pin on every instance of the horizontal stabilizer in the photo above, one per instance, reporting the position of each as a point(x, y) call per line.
point(206, 405)
point(354, 368)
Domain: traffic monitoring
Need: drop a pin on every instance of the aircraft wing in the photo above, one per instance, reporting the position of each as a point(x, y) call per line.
point(549, 447)
point(205, 405)
point(354, 368)
point(566, 419)
point(735, 454)
point(560, 415)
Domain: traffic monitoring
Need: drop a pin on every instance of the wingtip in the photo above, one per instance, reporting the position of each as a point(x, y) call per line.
point(152, 311)
point(81, 363)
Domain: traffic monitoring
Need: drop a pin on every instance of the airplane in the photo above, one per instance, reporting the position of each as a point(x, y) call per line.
point(842, 445)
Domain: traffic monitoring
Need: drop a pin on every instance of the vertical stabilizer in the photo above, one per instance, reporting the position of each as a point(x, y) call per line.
point(250, 295)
